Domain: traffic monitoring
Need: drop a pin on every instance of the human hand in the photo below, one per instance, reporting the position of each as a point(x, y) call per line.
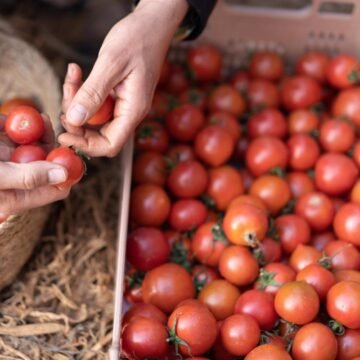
point(128, 67)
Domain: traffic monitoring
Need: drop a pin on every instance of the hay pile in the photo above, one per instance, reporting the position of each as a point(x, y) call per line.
point(61, 306)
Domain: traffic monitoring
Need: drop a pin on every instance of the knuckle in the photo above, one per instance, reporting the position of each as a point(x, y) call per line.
point(93, 94)
point(30, 180)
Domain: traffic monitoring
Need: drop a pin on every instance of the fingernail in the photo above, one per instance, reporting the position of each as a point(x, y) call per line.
point(70, 69)
point(77, 115)
point(57, 176)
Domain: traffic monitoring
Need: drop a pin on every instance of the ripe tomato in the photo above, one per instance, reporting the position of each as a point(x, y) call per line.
point(273, 190)
point(187, 214)
point(203, 275)
point(273, 276)
point(300, 183)
point(225, 183)
point(226, 98)
point(165, 72)
point(239, 334)
point(268, 251)
point(314, 65)
point(249, 200)
point(335, 174)
point(149, 205)
point(147, 248)
point(343, 71)
point(266, 65)
point(227, 121)
point(303, 256)
point(304, 151)
point(184, 122)
point(352, 275)
point(343, 255)
point(144, 338)
point(151, 136)
point(209, 243)
point(195, 97)
point(104, 114)
point(177, 81)
point(149, 167)
point(28, 153)
point(292, 230)
point(303, 121)
point(67, 158)
point(347, 223)
point(194, 325)
point(263, 94)
point(268, 352)
point(267, 122)
point(317, 209)
point(161, 104)
point(297, 302)
point(245, 224)
point(315, 341)
point(144, 310)
point(166, 286)
point(356, 153)
point(343, 303)
point(24, 125)
point(180, 152)
point(319, 241)
point(188, 179)
point(318, 277)
point(355, 193)
point(205, 62)
point(220, 297)
point(266, 153)
point(347, 105)
point(238, 257)
point(214, 145)
point(299, 92)
point(240, 81)
point(12, 104)
point(259, 305)
point(349, 345)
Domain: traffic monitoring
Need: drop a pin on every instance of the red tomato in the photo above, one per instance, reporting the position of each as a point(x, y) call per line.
point(304, 151)
point(347, 105)
point(165, 72)
point(151, 136)
point(161, 104)
point(147, 248)
point(267, 122)
point(184, 122)
point(268, 251)
point(245, 225)
point(220, 297)
point(238, 257)
point(144, 310)
point(297, 302)
point(268, 352)
point(187, 214)
point(347, 223)
point(227, 121)
point(343, 71)
point(343, 255)
point(303, 256)
point(24, 125)
point(67, 158)
point(149, 205)
point(314, 341)
point(266, 65)
point(194, 325)
point(203, 275)
point(335, 174)
point(343, 303)
point(313, 64)
point(303, 122)
point(28, 153)
point(214, 145)
point(104, 114)
point(356, 153)
point(355, 193)
point(226, 98)
point(13, 103)
point(263, 94)
point(166, 286)
point(205, 62)
point(266, 153)
point(177, 81)
point(352, 275)
point(300, 183)
point(349, 345)
point(180, 152)
point(319, 241)
point(299, 92)
point(188, 179)
point(249, 200)
point(195, 97)
point(240, 334)
point(240, 81)
point(259, 305)
point(149, 167)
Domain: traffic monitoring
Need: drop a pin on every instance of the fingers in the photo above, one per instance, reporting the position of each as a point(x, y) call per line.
point(72, 83)
point(31, 176)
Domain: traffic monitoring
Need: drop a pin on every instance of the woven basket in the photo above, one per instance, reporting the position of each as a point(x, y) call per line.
point(24, 72)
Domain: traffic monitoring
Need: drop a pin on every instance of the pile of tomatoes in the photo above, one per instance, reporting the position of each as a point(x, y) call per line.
point(245, 212)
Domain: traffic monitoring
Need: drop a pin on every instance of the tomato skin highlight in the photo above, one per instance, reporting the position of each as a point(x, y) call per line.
point(28, 153)
point(342, 71)
point(314, 65)
point(144, 310)
point(266, 65)
point(347, 223)
point(104, 114)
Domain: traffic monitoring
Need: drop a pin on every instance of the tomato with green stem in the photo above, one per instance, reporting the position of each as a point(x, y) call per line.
point(343, 71)
point(304, 255)
point(343, 255)
point(203, 275)
point(151, 136)
point(303, 121)
point(269, 250)
point(193, 96)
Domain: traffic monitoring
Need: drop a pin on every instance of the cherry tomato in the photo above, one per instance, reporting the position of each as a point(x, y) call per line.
point(268, 251)
point(349, 345)
point(240, 81)
point(220, 297)
point(166, 286)
point(165, 72)
point(147, 248)
point(180, 152)
point(352, 275)
point(28, 153)
point(297, 302)
point(314, 65)
point(151, 136)
point(245, 225)
point(343, 255)
point(240, 334)
point(335, 174)
point(347, 223)
point(268, 352)
point(343, 303)
point(263, 94)
point(303, 256)
point(214, 145)
point(303, 121)
point(195, 97)
point(336, 136)
point(227, 121)
point(184, 122)
point(238, 257)
point(161, 104)
point(249, 200)
point(347, 105)
point(342, 71)
point(8, 106)
point(304, 151)
point(149, 205)
point(300, 183)
point(205, 62)
point(319, 241)
point(266, 65)
point(315, 341)
point(356, 153)
point(144, 310)
point(226, 98)
point(299, 92)
point(355, 193)
point(104, 114)
point(203, 275)
point(177, 81)
point(67, 158)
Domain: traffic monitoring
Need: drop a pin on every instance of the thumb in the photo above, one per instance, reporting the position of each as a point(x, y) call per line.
point(31, 176)
point(92, 93)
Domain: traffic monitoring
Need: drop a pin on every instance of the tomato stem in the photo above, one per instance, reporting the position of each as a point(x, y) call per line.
point(336, 327)
point(176, 340)
point(218, 234)
point(266, 279)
